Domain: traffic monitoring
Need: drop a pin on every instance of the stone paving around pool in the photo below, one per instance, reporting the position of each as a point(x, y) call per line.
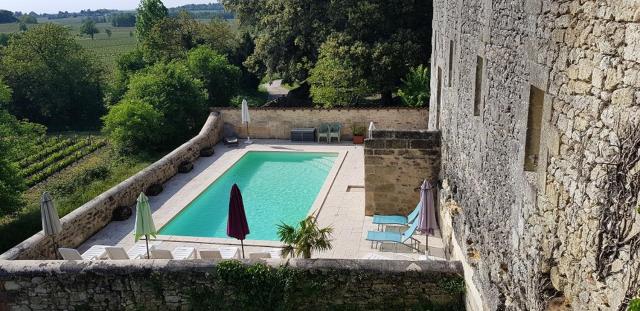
point(343, 207)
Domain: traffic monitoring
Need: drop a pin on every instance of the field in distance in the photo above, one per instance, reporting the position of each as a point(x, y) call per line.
point(107, 50)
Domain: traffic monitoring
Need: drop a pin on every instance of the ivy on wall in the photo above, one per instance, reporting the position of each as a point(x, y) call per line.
point(235, 285)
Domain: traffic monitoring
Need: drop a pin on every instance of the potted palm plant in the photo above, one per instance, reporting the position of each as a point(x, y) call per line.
point(358, 131)
point(305, 239)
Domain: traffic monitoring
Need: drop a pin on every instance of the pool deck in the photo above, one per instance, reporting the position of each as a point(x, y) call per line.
point(342, 208)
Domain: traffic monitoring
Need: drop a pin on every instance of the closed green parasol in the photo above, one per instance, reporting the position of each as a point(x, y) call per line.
point(144, 221)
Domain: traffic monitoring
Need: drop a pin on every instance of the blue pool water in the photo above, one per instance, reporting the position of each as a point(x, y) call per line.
point(276, 187)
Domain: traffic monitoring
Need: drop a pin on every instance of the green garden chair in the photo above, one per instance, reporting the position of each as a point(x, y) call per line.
point(323, 131)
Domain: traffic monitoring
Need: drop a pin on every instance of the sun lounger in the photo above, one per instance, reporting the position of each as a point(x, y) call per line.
point(210, 254)
point(395, 237)
point(135, 252)
point(261, 255)
point(229, 252)
point(375, 256)
point(178, 253)
point(95, 252)
point(381, 220)
point(323, 131)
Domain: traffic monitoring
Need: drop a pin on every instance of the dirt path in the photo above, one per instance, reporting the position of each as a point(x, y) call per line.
point(275, 89)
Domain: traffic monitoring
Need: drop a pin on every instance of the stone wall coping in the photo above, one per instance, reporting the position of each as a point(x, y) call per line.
point(403, 134)
point(10, 269)
point(319, 109)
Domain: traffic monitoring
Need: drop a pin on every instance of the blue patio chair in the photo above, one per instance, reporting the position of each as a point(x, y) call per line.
point(395, 237)
point(382, 220)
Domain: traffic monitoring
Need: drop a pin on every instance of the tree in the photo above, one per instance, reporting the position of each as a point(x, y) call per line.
point(338, 77)
point(133, 126)
point(289, 33)
point(123, 20)
point(28, 19)
point(22, 26)
point(305, 239)
point(414, 91)
point(172, 91)
point(150, 12)
point(220, 78)
point(4, 39)
point(54, 81)
point(7, 17)
point(108, 32)
point(171, 38)
point(14, 134)
point(88, 27)
point(127, 64)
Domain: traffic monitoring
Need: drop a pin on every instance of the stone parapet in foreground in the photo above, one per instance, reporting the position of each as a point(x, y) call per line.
point(188, 284)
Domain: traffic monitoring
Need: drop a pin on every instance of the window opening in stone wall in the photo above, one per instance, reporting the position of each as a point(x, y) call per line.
point(534, 129)
point(438, 98)
point(477, 99)
point(450, 62)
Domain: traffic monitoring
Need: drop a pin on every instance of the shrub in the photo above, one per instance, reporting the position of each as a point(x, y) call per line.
point(221, 79)
point(179, 102)
point(415, 87)
point(134, 126)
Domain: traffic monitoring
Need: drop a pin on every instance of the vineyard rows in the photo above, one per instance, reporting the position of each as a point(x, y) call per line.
point(60, 153)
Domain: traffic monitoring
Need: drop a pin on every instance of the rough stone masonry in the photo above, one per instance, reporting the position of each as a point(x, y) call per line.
point(538, 103)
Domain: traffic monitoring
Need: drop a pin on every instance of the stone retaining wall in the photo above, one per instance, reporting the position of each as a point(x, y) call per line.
point(319, 284)
point(89, 218)
point(276, 123)
point(395, 164)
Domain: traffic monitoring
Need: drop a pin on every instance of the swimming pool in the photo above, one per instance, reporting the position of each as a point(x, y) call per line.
point(276, 187)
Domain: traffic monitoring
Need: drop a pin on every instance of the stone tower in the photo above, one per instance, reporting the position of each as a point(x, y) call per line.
point(538, 104)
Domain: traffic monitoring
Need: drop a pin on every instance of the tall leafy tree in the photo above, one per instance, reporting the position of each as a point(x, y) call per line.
point(150, 12)
point(172, 37)
point(88, 27)
point(54, 81)
point(14, 134)
point(338, 77)
point(289, 33)
point(7, 17)
point(221, 79)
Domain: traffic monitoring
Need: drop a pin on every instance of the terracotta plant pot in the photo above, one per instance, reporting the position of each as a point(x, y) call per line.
point(358, 140)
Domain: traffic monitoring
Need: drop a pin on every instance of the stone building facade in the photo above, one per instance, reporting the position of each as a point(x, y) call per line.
point(538, 104)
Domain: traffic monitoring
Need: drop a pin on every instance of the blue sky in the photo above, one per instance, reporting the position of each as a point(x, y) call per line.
point(53, 6)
